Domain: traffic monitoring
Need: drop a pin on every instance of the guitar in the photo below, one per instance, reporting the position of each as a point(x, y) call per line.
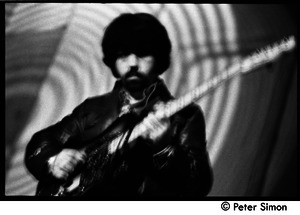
point(248, 64)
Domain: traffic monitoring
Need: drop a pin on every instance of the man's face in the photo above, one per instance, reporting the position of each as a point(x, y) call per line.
point(136, 72)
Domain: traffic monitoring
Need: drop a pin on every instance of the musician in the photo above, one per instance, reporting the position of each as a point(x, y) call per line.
point(168, 160)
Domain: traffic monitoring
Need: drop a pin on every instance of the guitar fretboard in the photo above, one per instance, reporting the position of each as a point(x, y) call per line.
point(246, 65)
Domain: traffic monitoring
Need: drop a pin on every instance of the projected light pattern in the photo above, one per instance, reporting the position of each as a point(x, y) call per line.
point(200, 52)
point(68, 68)
point(30, 47)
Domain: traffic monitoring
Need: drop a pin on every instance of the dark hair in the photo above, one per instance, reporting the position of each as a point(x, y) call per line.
point(138, 33)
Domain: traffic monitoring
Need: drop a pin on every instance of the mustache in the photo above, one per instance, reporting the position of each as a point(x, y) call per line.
point(134, 72)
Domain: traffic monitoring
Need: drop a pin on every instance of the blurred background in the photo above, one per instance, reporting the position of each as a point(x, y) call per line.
point(53, 61)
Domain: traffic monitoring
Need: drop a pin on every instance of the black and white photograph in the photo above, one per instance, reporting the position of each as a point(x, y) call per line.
point(150, 102)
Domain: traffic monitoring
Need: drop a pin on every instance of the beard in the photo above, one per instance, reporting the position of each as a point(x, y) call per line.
point(135, 81)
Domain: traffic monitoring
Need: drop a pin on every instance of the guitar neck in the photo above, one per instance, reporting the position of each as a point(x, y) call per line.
point(246, 65)
point(173, 106)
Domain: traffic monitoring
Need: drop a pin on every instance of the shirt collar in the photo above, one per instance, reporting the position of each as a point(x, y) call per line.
point(157, 89)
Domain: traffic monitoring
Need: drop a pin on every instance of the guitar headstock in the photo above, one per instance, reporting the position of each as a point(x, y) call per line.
point(267, 54)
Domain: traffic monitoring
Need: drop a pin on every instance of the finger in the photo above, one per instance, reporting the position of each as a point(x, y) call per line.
point(148, 122)
point(74, 156)
point(161, 121)
point(152, 119)
point(62, 175)
point(158, 106)
point(61, 172)
point(157, 124)
point(64, 165)
point(68, 164)
point(69, 167)
point(153, 132)
point(70, 152)
point(80, 156)
point(64, 161)
point(158, 119)
point(146, 127)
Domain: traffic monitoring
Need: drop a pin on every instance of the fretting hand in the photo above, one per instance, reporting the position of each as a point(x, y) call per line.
point(157, 129)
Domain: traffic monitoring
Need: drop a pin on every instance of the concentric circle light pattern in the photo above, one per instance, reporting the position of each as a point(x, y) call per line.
point(54, 62)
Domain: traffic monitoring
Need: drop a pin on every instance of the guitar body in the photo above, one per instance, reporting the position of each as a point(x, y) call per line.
point(96, 166)
point(56, 187)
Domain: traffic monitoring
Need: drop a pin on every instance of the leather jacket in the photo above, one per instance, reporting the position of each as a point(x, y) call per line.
point(179, 169)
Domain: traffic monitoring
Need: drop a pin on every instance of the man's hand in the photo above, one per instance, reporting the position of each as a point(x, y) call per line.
point(157, 129)
point(65, 162)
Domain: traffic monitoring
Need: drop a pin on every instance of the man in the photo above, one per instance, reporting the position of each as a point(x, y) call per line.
point(168, 159)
